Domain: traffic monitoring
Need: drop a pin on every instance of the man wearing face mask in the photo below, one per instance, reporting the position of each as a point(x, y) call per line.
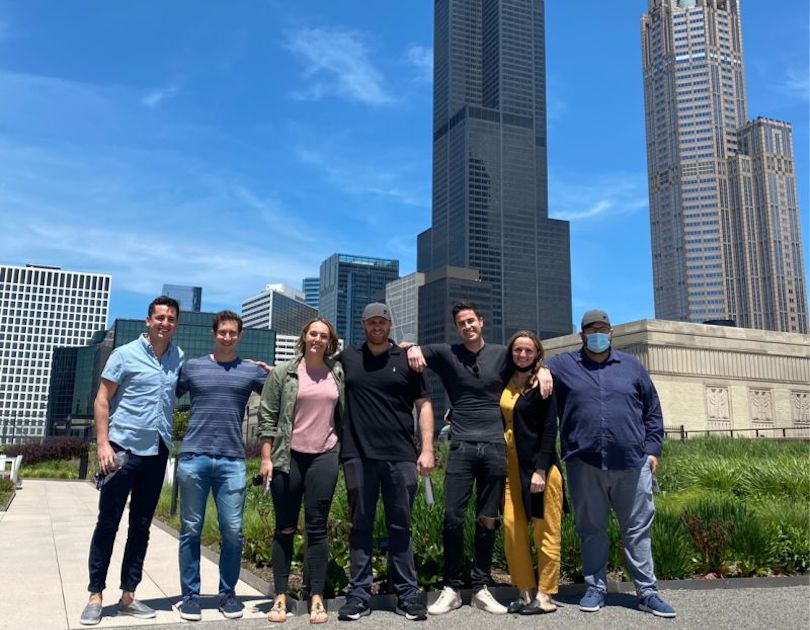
point(611, 431)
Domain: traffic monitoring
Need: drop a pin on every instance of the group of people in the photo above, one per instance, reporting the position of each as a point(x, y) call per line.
point(368, 409)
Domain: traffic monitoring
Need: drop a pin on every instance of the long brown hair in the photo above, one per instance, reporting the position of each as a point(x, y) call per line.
point(331, 347)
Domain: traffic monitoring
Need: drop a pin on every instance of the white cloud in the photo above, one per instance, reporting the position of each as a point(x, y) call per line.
point(156, 97)
point(354, 176)
point(421, 57)
point(336, 61)
point(584, 196)
point(796, 83)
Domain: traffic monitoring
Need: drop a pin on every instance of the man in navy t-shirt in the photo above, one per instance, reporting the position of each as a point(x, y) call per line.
point(212, 458)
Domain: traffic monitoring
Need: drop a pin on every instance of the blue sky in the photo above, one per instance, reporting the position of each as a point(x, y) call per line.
point(231, 144)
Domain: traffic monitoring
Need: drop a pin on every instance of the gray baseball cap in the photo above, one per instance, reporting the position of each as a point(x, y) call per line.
point(376, 309)
point(594, 316)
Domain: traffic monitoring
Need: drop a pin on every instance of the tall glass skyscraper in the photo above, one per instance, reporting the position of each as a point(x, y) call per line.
point(189, 298)
point(348, 283)
point(490, 195)
point(724, 216)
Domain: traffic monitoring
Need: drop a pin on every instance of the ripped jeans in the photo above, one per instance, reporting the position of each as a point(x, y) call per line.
point(197, 474)
point(312, 479)
point(482, 464)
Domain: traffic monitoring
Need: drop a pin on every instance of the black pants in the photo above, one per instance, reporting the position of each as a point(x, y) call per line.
point(312, 479)
point(365, 478)
point(468, 463)
point(142, 477)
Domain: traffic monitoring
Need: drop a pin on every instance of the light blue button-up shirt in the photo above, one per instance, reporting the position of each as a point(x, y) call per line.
point(142, 408)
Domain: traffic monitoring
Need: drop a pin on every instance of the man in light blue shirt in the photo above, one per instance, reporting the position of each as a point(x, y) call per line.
point(133, 412)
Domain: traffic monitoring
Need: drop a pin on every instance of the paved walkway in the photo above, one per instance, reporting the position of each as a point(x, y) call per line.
point(44, 540)
point(45, 535)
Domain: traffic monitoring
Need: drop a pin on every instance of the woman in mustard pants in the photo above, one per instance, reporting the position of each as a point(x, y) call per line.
point(534, 484)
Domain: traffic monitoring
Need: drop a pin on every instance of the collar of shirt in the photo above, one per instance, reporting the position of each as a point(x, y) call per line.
point(613, 357)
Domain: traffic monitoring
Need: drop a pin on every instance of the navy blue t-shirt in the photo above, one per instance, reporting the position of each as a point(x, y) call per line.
point(219, 393)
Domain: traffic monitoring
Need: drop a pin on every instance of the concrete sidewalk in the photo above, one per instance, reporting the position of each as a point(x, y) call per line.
point(45, 537)
point(44, 541)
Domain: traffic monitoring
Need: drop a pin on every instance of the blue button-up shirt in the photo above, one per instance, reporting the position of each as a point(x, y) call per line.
point(142, 408)
point(610, 416)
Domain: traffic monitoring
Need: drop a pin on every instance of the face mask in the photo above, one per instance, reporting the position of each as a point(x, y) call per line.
point(597, 342)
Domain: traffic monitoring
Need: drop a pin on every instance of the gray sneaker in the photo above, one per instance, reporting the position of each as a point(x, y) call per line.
point(91, 614)
point(136, 609)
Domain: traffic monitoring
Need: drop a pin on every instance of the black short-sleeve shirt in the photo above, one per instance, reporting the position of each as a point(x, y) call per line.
point(380, 394)
point(474, 382)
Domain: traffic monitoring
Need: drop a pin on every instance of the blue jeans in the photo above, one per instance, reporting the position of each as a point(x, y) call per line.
point(629, 493)
point(197, 474)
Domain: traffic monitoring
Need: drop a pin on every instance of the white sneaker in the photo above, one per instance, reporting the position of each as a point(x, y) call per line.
point(483, 600)
point(449, 599)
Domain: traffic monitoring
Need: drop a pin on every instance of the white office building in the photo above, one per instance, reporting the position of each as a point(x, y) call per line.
point(279, 307)
point(41, 308)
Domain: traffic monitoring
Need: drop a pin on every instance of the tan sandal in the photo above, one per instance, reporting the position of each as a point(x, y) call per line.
point(278, 613)
point(318, 613)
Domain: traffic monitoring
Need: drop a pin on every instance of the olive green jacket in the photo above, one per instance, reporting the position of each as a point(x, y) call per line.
point(277, 405)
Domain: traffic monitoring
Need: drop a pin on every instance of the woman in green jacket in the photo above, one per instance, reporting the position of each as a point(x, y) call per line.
point(299, 423)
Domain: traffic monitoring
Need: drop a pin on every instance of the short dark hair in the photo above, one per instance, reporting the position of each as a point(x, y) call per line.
point(465, 306)
point(226, 316)
point(331, 347)
point(164, 300)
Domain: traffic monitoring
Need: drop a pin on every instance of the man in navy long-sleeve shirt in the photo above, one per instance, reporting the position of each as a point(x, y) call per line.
point(611, 431)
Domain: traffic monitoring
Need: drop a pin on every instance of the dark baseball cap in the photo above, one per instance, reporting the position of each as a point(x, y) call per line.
point(594, 316)
point(376, 309)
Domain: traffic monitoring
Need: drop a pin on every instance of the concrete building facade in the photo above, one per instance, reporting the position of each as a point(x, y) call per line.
point(41, 308)
point(402, 297)
point(279, 307)
point(718, 378)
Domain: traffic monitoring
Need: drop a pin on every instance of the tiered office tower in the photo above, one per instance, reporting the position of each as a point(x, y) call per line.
point(312, 290)
point(724, 216)
point(490, 194)
point(41, 308)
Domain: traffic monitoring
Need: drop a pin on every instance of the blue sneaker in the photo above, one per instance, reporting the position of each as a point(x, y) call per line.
point(652, 603)
point(190, 608)
point(230, 607)
point(593, 600)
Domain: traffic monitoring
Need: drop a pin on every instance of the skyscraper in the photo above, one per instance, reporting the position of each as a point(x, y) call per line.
point(348, 283)
point(190, 298)
point(278, 307)
point(402, 297)
point(41, 308)
point(490, 196)
point(312, 290)
point(724, 216)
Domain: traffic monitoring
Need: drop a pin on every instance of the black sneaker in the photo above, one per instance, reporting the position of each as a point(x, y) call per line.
point(353, 609)
point(412, 609)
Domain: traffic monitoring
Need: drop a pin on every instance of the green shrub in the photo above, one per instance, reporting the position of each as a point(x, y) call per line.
point(672, 548)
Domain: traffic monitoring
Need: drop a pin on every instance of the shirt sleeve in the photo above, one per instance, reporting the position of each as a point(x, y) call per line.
point(651, 412)
point(270, 404)
point(182, 382)
point(114, 370)
point(434, 354)
point(259, 378)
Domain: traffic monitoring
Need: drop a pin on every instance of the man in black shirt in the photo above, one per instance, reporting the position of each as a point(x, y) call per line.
point(474, 374)
point(379, 456)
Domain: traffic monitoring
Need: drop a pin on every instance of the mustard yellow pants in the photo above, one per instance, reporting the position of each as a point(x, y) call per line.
point(547, 530)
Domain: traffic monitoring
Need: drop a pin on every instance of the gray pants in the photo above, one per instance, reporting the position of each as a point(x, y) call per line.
point(365, 478)
point(629, 493)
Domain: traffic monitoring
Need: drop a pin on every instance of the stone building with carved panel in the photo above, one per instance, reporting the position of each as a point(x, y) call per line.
point(719, 378)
